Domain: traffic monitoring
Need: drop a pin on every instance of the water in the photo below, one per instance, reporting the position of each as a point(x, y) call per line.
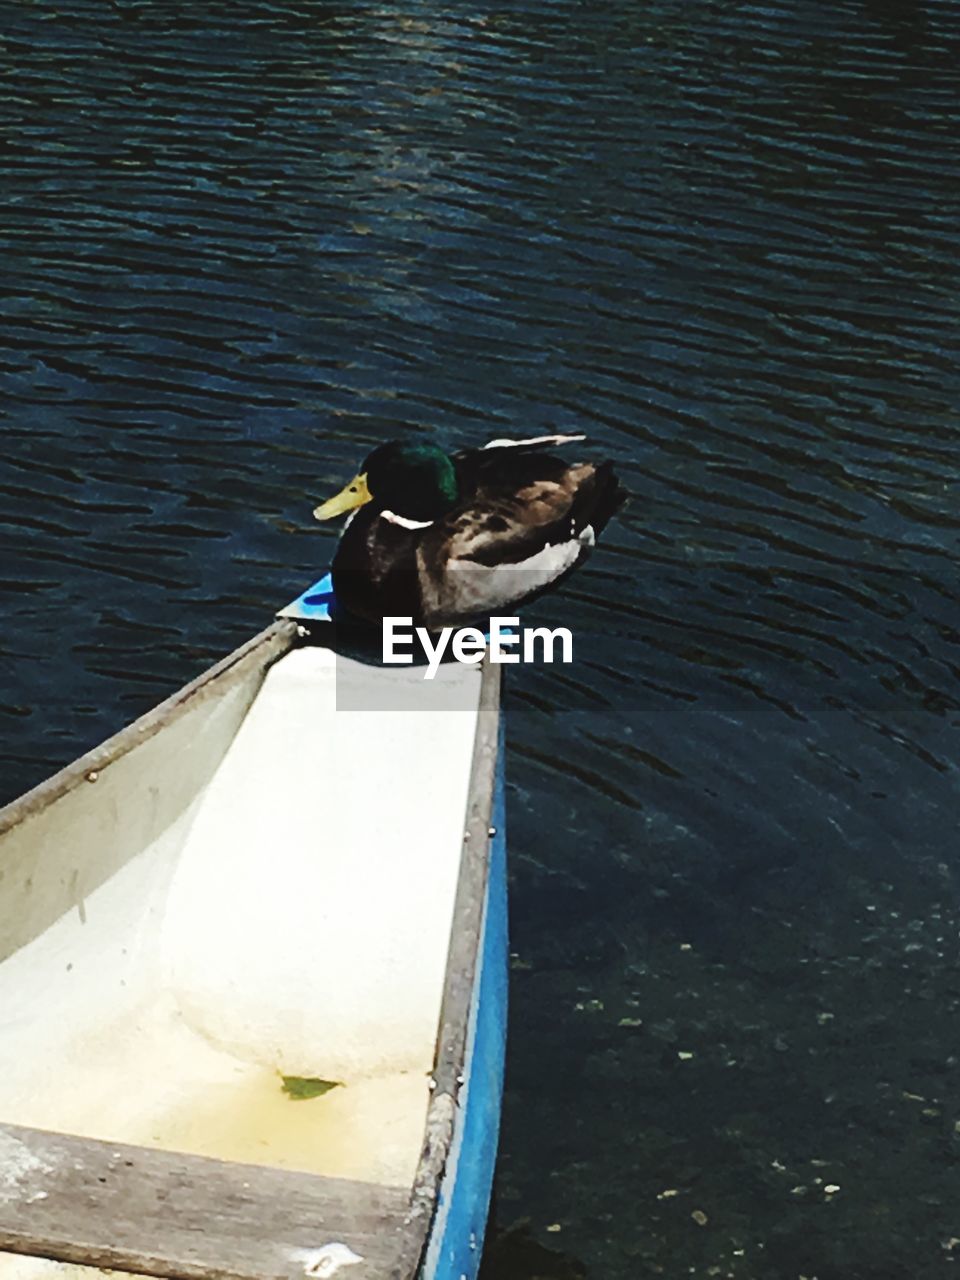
point(242, 244)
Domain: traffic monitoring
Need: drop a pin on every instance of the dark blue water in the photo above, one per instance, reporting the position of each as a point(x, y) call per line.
point(241, 243)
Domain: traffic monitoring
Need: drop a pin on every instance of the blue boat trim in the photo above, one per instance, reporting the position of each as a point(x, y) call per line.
point(314, 605)
point(456, 1239)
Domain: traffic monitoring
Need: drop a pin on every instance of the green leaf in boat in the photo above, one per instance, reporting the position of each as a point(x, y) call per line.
point(299, 1088)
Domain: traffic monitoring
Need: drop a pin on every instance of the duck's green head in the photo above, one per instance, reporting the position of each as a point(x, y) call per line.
point(415, 481)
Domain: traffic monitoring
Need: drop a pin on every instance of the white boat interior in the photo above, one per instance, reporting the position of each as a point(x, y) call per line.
point(260, 887)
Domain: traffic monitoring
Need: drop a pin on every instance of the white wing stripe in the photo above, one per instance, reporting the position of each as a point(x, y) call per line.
point(519, 444)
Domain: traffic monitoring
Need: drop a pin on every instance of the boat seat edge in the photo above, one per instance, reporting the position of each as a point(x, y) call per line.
point(168, 1214)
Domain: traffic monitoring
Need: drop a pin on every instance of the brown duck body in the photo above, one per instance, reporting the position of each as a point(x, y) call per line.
point(524, 519)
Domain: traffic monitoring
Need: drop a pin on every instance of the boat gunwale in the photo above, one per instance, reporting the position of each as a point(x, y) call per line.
point(262, 650)
point(463, 958)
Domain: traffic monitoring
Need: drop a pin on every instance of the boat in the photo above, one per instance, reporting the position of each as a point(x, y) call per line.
point(253, 977)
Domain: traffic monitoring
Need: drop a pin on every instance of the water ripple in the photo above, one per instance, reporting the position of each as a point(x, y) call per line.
point(244, 244)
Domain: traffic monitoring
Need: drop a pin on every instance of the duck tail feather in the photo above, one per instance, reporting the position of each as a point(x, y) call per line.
point(600, 498)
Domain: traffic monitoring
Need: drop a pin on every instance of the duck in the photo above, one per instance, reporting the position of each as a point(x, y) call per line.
point(448, 539)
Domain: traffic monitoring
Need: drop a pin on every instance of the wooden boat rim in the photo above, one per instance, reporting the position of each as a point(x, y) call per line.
point(461, 972)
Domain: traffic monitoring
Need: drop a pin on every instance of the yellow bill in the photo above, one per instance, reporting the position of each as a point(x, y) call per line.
point(353, 495)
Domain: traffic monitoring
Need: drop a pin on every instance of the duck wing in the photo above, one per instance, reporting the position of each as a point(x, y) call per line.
point(503, 466)
point(510, 542)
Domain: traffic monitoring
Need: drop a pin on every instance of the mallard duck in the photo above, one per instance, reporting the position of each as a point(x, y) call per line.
point(451, 538)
